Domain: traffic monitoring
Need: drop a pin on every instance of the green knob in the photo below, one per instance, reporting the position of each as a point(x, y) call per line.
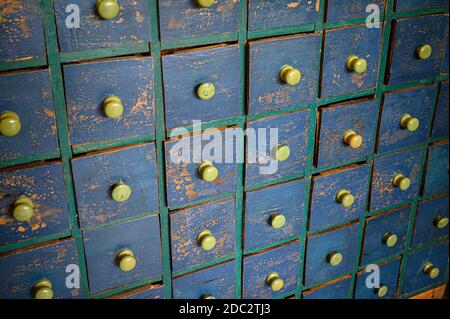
point(208, 172)
point(206, 240)
point(274, 281)
point(126, 260)
point(431, 271)
point(113, 107)
point(206, 91)
point(390, 239)
point(108, 9)
point(23, 209)
point(207, 296)
point(121, 192)
point(345, 198)
point(382, 291)
point(290, 75)
point(441, 222)
point(356, 64)
point(282, 152)
point(277, 221)
point(205, 3)
point(401, 181)
point(9, 124)
point(43, 290)
point(423, 52)
point(335, 258)
point(410, 123)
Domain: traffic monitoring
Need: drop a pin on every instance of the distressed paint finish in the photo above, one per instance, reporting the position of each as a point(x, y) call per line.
point(436, 177)
point(21, 270)
point(101, 247)
point(96, 175)
point(419, 103)
point(293, 131)
point(440, 124)
point(184, 19)
point(29, 94)
point(21, 31)
point(351, 9)
point(419, 4)
point(185, 225)
point(325, 210)
point(184, 72)
point(383, 192)
point(87, 85)
point(130, 27)
point(147, 292)
point(283, 260)
point(410, 33)
point(339, 45)
point(445, 62)
point(267, 92)
point(336, 290)
point(217, 281)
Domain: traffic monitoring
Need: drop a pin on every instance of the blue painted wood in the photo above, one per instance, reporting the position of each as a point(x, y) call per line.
point(383, 191)
point(339, 45)
point(152, 292)
point(351, 9)
point(29, 94)
point(186, 224)
point(419, 103)
point(44, 185)
point(286, 199)
point(343, 240)
point(96, 175)
point(292, 130)
point(445, 62)
point(410, 33)
point(101, 247)
point(217, 281)
point(87, 85)
point(440, 124)
point(336, 290)
point(184, 19)
point(283, 260)
point(21, 270)
point(325, 210)
point(267, 92)
point(419, 4)
point(21, 32)
point(436, 177)
point(184, 72)
point(130, 27)
point(335, 121)
point(394, 222)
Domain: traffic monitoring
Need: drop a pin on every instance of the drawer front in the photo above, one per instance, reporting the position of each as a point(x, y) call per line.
point(98, 179)
point(268, 91)
point(29, 95)
point(102, 247)
point(385, 235)
point(154, 292)
point(87, 87)
point(340, 44)
point(21, 271)
point(185, 19)
point(44, 185)
point(184, 73)
point(267, 208)
point(336, 290)
point(410, 34)
point(320, 248)
point(395, 133)
point(351, 9)
point(187, 225)
point(22, 34)
point(130, 27)
point(440, 125)
point(444, 68)
point(384, 193)
point(436, 178)
point(283, 260)
point(292, 131)
point(431, 220)
point(217, 282)
point(327, 209)
point(419, 4)
point(335, 122)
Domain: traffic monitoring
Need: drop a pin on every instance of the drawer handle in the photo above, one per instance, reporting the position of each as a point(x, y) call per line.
point(290, 75)
point(401, 181)
point(205, 3)
point(431, 271)
point(206, 240)
point(207, 296)
point(356, 64)
point(423, 52)
point(206, 91)
point(281, 152)
point(410, 123)
point(274, 281)
point(23, 209)
point(108, 9)
point(9, 124)
point(43, 289)
point(121, 192)
point(277, 221)
point(352, 139)
point(207, 171)
point(390, 239)
point(345, 198)
point(334, 258)
point(441, 222)
point(126, 260)
point(113, 107)
point(382, 291)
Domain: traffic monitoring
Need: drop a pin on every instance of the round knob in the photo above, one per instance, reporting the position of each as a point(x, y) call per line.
point(206, 240)
point(423, 52)
point(277, 221)
point(43, 290)
point(113, 107)
point(274, 281)
point(335, 258)
point(205, 3)
point(121, 192)
point(281, 152)
point(352, 139)
point(401, 182)
point(431, 271)
point(410, 123)
point(23, 209)
point(9, 124)
point(382, 291)
point(207, 296)
point(206, 91)
point(126, 260)
point(345, 198)
point(356, 64)
point(441, 222)
point(290, 75)
point(208, 172)
point(108, 9)
point(390, 239)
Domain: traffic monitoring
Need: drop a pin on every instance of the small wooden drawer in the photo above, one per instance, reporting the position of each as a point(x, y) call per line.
point(26, 99)
point(350, 61)
point(271, 88)
point(440, 124)
point(216, 282)
point(93, 116)
point(273, 213)
point(411, 58)
point(101, 28)
point(202, 233)
point(444, 68)
point(346, 132)
point(395, 178)
point(123, 253)
point(186, 19)
point(402, 5)
point(115, 185)
point(436, 175)
point(426, 267)
point(202, 85)
point(262, 164)
point(337, 289)
point(338, 196)
point(146, 292)
point(385, 235)
point(23, 269)
point(338, 10)
point(406, 118)
point(431, 220)
point(48, 213)
point(271, 273)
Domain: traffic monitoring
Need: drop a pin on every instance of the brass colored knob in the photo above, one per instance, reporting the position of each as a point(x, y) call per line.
point(205, 3)
point(345, 198)
point(23, 209)
point(126, 260)
point(356, 64)
point(9, 124)
point(113, 107)
point(206, 91)
point(352, 139)
point(207, 171)
point(423, 52)
point(207, 296)
point(390, 239)
point(335, 258)
point(410, 123)
point(401, 181)
point(431, 271)
point(274, 281)
point(107, 9)
point(281, 152)
point(290, 75)
point(382, 291)
point(121, 192)
point(441, 222)
point(43, 289)
point(206, 240)
point(277, 221)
